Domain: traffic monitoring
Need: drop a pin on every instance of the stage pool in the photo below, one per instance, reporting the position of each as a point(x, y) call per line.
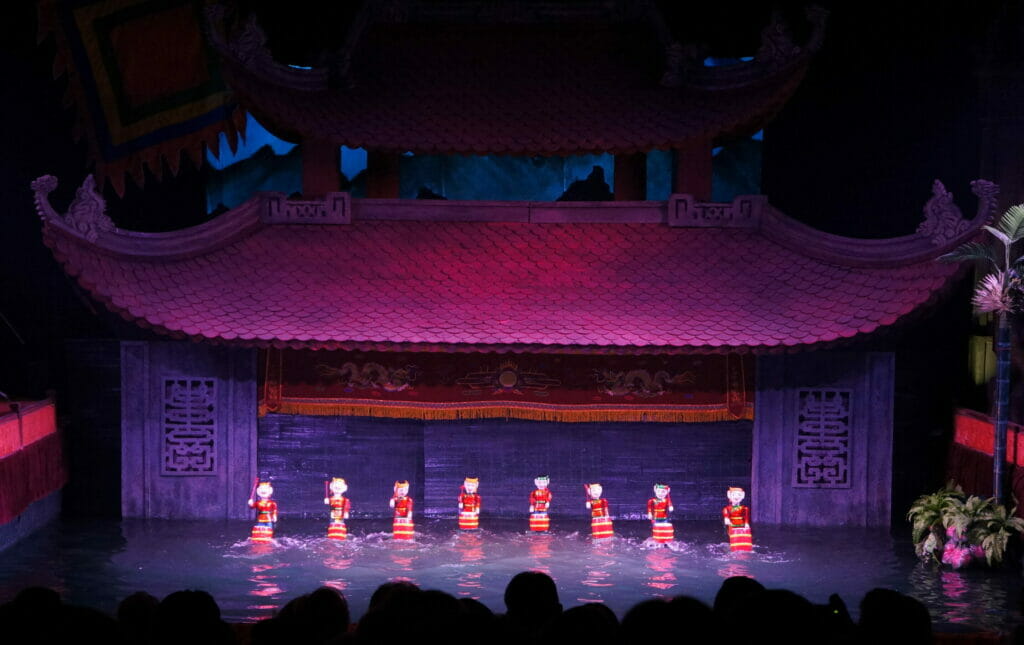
point(99, 563)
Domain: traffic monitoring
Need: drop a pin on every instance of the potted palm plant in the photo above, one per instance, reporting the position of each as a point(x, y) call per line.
point(928, 515)
point(952, 528)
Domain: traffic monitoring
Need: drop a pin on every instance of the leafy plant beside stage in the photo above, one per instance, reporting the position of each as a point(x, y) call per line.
point(951, 528)
point(999, 292)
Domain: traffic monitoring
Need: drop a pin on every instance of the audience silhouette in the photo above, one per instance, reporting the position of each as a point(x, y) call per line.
point(399, 612)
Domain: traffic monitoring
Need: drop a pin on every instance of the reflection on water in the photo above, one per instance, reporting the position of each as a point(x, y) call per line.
point(337, 563)
point(735, 569)
point(265, 581)
point(660, 564)
point(100, 563)
point(967, 597)
point(539, 545)
point(471, 555)
point(598, 564)
point(403, 562)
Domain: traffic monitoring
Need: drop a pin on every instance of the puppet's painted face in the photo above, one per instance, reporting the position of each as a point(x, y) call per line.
point(735, 495)
point(264, 490)
point(338, 486)
point(661, 492)
point(471, 486)
point(596, 490)
point(402, 491)
point(541, 482)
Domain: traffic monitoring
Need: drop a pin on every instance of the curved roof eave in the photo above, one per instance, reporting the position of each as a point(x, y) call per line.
point(417, 96)
point(547, 285)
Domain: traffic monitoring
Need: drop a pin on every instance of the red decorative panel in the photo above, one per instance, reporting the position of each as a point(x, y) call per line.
point(975, 431)
point(543, 387)
point(29, 475)
point(36, 421)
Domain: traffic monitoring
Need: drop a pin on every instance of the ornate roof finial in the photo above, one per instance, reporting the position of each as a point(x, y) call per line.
point(943, 219)
point(87, 214)
point(680, 59)
point(777, 46)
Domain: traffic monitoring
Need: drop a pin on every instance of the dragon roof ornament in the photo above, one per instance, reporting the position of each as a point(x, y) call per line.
point(246, 41)
point(87, 213)
point(683, 62)
point(943, 219)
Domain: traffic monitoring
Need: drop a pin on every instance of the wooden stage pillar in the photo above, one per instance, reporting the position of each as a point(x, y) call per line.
point(321, 172)
point(630, 177)
point(382, 174)
point(691, 170)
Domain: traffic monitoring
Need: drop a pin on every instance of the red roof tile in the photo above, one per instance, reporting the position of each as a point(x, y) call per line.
point(494, 286)
point(516, 90)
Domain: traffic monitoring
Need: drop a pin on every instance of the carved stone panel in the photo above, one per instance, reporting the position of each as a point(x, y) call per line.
point(822, 458)
point(823, 436)
point(743, 212)
point(189, 422)
point(334, 208)
point(188, 430)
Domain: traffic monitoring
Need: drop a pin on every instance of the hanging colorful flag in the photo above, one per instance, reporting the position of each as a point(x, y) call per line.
point(145, 84)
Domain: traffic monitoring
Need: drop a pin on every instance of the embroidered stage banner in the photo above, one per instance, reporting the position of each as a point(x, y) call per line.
point(541, 387)
point(145, 83)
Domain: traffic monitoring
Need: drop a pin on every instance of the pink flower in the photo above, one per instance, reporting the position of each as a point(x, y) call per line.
point(956, 556)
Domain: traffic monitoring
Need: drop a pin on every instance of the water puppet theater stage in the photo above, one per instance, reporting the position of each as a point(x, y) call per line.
point(385, 304)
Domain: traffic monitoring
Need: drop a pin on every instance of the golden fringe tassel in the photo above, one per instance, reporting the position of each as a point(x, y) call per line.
point(504, 411)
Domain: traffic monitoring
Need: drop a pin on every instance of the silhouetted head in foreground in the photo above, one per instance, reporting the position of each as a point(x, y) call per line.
point(780, 616)
point(888, 616)
point(648, 622)
point(318, 617)
point(733, 592)
point(533, 594)
point(593, 623)
point(397, 591)
point(190, 616)
point(137, 615)
point(531, 600)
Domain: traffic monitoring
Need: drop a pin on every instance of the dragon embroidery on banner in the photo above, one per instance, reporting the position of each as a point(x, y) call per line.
point(508, 379)
point(371, 375)
point(640, 382)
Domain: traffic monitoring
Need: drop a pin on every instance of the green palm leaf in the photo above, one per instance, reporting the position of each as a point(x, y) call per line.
point(972, 251)
point(999, 235)
point(1012, 222)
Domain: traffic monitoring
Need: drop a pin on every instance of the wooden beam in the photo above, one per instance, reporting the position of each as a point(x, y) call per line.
point(630, 177)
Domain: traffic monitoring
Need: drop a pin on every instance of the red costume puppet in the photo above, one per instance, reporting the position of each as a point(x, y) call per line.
point(340, 507)
point(402, 526)
point(540, 502)
point(600, 519)
point(658, 508)
point(736, 518)
point(266, 512)
point(469, 505)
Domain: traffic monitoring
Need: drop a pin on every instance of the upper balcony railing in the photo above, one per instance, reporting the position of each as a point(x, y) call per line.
point(678, 211)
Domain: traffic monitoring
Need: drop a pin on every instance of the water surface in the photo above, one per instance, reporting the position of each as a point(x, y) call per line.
point(98, 563)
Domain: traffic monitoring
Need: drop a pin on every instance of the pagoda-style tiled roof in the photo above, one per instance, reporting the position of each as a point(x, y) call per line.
point(437, 87)
point(626, 277)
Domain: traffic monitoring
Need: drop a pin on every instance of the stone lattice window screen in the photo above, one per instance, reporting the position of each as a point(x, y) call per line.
point(822, 450)
point(189, 426)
